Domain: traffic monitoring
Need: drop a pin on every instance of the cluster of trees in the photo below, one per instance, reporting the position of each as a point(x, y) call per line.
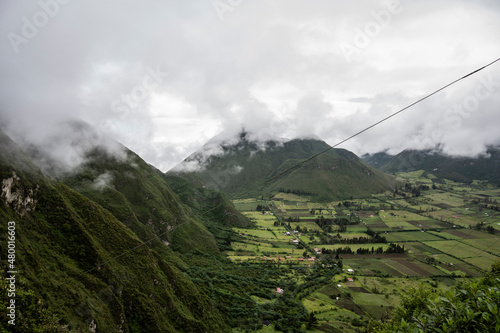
point(416, 190)
point(261, 208)
point(377, 238)
point(348, 204)
point(337, 239)
point(363, 240)
point(298, 228)
point(482, 226)
point(296, 192)
point(322, 222)
point(486, 203)
point(393, 248)
point(341, 222)
point(320, 210)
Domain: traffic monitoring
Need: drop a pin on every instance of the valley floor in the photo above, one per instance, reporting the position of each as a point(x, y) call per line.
point(430, 231)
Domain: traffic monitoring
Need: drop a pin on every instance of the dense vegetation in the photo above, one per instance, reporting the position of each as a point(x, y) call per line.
point(468, 307)
point(80, 267)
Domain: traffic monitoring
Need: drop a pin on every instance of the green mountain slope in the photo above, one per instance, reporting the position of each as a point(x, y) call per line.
point(462, 169)
point(81, 269)
point(240, 169)
point(136, 194)
point(212, 206)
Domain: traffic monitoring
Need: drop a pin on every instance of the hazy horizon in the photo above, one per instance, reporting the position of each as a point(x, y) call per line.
point(163, 79)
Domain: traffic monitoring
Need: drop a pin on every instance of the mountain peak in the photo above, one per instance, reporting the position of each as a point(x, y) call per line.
point(238, 165)
point(228, 138)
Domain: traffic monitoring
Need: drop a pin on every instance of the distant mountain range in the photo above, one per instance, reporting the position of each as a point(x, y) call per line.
point(242, 167)
point(464, 169)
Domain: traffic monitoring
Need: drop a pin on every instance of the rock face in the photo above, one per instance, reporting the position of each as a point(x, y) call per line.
point(16, 196)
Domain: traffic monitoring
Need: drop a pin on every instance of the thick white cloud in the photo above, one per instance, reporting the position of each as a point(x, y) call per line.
point(164, 77)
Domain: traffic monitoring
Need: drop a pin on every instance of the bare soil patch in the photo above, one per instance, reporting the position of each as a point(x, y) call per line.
point(359, 289)
point(348, 304)
point(461, 234)
point(441, 205)
point(414, 267)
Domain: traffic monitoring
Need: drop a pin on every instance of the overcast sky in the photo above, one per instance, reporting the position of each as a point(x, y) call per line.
point(163, 77)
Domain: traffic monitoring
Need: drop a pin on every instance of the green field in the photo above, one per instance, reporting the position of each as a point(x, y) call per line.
point(446, 198)
point(411, 236)
point(247, 204)
point(437, 229)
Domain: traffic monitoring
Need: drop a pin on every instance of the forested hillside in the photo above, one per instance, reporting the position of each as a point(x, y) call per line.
point(248, 168)
point(87, 265)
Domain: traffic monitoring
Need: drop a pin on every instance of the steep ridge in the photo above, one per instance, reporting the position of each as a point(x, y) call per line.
point(212, 206)
point(237, 168)
point(136, 194)
point(82, 269)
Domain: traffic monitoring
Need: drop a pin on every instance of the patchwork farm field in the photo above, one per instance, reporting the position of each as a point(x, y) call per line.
point(412, 236)
point(367, 252)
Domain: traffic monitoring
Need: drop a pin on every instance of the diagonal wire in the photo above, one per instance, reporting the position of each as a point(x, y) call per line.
point(378, 122)
point(302, 162)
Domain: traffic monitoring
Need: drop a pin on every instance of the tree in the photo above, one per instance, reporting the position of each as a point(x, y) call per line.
point(312, 322)
point(471, 306)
